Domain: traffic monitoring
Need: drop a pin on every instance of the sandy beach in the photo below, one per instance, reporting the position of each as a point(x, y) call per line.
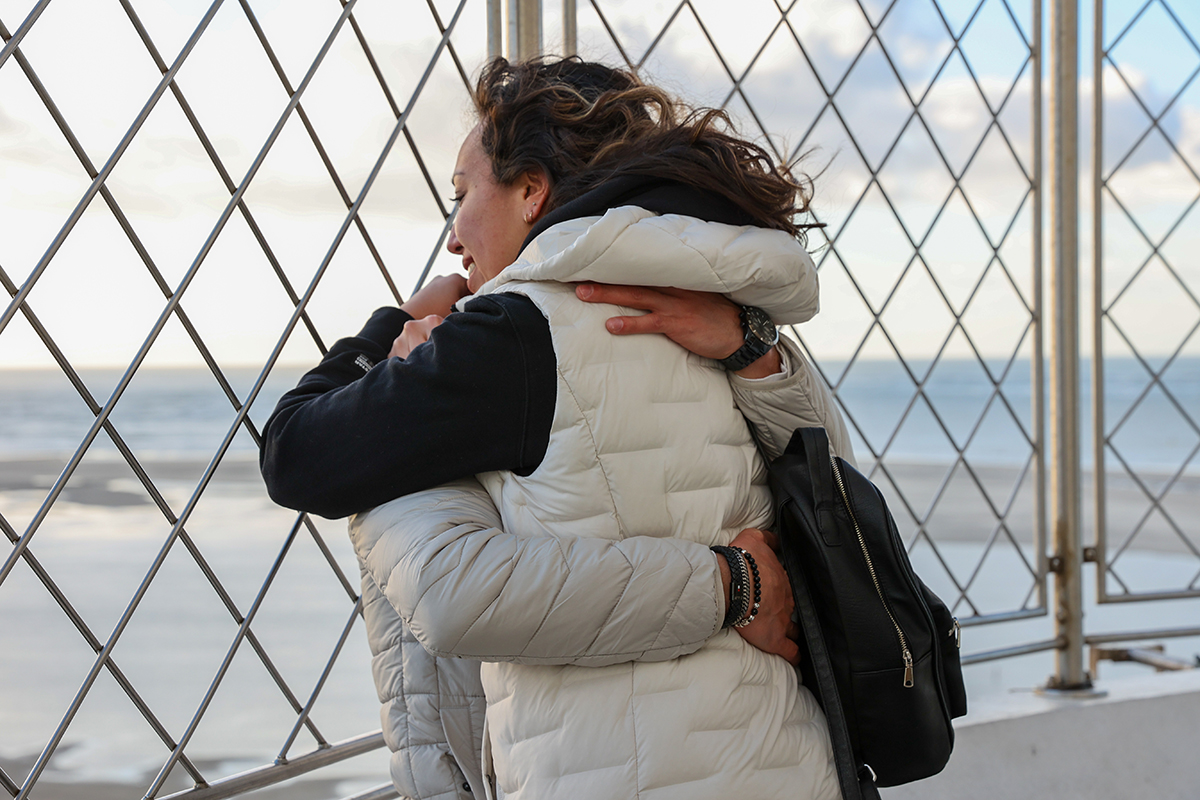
point(99, 540)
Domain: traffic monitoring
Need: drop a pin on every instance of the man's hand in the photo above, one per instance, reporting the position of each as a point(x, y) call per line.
point(415, 332)
point(438, 296)
point(772, 631)
point(705, 323)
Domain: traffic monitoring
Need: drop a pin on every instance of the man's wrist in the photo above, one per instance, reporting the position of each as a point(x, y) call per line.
point(766, 366)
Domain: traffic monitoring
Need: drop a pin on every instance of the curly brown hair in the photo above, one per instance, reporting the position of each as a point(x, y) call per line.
point(583, 123)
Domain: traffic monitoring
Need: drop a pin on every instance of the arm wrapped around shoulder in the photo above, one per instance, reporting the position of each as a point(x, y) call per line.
point(466, 588)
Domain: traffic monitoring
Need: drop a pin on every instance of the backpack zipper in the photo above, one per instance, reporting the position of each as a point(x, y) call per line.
point(862, 543)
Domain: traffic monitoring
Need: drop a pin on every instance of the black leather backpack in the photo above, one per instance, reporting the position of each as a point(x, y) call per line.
point(880, 650)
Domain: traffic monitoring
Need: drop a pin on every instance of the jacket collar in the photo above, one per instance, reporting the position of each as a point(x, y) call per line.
point(660, 195)
point(632, 245)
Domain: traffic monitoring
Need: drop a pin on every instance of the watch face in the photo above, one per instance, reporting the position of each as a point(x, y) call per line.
point(758, 323)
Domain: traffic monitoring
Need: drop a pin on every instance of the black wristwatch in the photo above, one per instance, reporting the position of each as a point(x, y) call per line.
point(760, 336)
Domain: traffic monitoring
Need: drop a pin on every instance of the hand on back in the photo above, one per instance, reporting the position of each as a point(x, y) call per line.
point(706, 323)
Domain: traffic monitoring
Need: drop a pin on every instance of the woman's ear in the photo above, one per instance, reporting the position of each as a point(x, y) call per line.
point(535, 187)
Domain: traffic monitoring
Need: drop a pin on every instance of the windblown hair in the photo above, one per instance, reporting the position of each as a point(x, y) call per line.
point(583, 123)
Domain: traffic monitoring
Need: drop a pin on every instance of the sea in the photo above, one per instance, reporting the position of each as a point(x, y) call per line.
point(1153, 424)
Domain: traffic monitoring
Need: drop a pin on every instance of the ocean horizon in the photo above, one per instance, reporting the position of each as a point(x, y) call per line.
point(181, 412)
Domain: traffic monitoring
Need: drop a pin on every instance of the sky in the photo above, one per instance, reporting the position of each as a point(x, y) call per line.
point(98, 300)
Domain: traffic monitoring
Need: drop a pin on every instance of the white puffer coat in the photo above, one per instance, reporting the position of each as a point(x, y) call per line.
point(725, 718)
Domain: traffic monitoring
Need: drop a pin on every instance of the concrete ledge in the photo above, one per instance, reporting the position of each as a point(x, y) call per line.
point(1140, 741)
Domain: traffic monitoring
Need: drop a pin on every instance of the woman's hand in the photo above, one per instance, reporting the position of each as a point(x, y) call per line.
point(705, 323)
point(772, 630)
point(415, 332)
point(438, 297)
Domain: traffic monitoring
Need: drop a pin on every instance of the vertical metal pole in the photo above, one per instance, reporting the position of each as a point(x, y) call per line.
point(524, 29)
point(495, 29)
point(1099, 473)
point(1066, 506)
point(570, 39)
point(1038, 366)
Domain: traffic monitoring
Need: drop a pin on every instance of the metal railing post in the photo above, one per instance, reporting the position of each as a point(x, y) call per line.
point(1066, 512)
point(495, 29)
point(570, 45)
point(524, 29)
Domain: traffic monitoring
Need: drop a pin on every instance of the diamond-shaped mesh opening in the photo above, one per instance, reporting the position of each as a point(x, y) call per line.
point(1150, 312)
point(184, 238)
point(916, 38)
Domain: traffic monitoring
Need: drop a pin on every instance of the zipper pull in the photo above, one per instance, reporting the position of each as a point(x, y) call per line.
point(908, 669)
point(956, 632)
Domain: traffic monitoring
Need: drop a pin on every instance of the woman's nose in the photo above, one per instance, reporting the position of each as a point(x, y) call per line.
point(453, 244)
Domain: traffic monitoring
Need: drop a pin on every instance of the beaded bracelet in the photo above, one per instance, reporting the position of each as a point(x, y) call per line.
point(753, 611)
point(739, 585)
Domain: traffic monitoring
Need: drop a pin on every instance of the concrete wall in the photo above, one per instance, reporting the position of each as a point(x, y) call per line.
point(1142, 740)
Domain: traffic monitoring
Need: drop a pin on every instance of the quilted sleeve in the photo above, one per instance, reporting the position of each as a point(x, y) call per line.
point(466, 588)
point(801, 400)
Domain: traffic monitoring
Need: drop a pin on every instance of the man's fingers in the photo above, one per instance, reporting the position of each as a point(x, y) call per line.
point(791, 651)
point(771, 539)
point(793, 632)
point(647, 323)
point(641, 297)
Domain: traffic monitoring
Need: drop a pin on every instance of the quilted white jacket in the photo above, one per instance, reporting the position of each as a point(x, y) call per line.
point(647, 442)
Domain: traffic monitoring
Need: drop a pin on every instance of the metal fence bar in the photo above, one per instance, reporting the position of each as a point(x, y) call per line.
point(1134, 636)
point(1066, 503)
point(569, 26)
point(272, 774)
point(1012, 652)
point(1037, 365)
point(12, 41)
point(384, 792)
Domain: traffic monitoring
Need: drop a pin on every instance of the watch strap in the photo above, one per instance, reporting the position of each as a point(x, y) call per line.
point(752, 349)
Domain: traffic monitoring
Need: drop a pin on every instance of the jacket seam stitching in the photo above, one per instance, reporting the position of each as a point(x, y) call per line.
point(674, 606)
point(637, 767)
point(561, 586)
point(615, 605)
point(595, 447)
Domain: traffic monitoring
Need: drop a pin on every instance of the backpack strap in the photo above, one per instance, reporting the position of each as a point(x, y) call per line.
point(813, 445)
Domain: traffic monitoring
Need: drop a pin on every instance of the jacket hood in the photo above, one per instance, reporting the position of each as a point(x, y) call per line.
point(630, 245)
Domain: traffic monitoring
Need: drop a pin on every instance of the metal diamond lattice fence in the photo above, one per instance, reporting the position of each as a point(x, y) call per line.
point(202, 186)
point(919, 122)
point(1146, 176)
